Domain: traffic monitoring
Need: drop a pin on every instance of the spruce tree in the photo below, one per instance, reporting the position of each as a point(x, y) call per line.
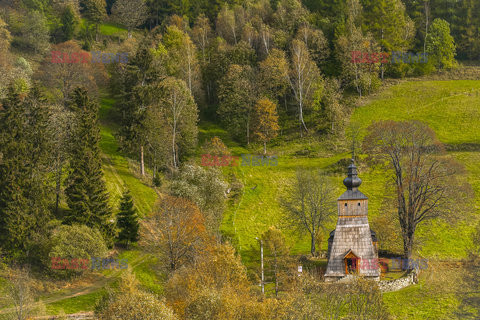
point(127, 220)
point(86, 192)
point(24, 154)
point(68, 23)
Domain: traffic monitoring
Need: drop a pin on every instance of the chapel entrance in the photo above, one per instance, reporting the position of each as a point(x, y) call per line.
point(351, 263)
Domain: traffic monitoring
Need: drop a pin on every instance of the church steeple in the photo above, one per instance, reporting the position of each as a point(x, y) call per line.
point(352, 181)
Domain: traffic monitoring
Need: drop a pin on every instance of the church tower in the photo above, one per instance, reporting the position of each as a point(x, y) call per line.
point(352, 245)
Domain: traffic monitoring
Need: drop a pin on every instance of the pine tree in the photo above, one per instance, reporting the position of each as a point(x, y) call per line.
point(68, 23)
point(95, 12)
point(24, 154)
point(127, 219)
point(86, 192)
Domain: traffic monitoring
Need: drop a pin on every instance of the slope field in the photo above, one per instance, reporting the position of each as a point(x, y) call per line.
point(451, 108)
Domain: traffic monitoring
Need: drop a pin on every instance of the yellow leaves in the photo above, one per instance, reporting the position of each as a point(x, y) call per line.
point(265, 120)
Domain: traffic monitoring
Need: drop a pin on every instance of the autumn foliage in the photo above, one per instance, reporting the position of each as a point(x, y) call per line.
point(176, 229)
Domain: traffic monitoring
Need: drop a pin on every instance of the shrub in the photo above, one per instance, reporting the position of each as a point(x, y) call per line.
point(75, 242)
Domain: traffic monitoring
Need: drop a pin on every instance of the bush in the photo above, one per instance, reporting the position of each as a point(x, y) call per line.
point(75, 242)
point(137, 305)
point(128, 302)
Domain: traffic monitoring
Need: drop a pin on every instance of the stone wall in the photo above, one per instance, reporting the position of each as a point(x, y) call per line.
point(394, 285)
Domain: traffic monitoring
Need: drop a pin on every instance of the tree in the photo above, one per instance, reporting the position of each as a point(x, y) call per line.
point(465, 29)
point(265, 121)
point(5, 37)
point(172, 99)
point(277, 254)
point(236, 95)
point(142, 70)
point(87, 196)
point(60, 79)
point(68, 21)
point(24, 164)
point(130, 13)
point(201, 34)
point(61, 128)
point(215, 288)
point(355, 72)
point(35, 34)
point(127, 219)
point(311, 204)
point(441, 45)
point(205, 188)
point(302, 78)
point(74, 243)
point(389, 24)
point(19, 293)
point(315, 41)
point(229, 25)
point(328, 106)
point(215, 147)
point(176, 230)
point(424, 183)
point(273, 75)
point(289, 15)
point(181, 58)
point(94, 11)
point(360, 299)
point(129, 302)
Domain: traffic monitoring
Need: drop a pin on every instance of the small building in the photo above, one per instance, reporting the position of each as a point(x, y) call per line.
point(352, 246)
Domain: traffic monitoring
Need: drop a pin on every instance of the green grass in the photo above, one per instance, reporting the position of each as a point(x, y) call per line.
point(109, 29)
point(84, 302)
point(118, 173)
point(451, 108)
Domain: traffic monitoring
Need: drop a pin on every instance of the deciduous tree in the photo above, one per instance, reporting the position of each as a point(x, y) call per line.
point(176, 230)
point(424, 183)
point(130, 13)
point(205, 188)
point(265, 122)
point(441, 45)
point(172, 99)
point(310, 204)
point(237, 97)
point(302, 78)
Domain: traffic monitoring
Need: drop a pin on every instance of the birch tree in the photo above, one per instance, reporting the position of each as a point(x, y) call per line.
point(172, 100)
point(302, 77)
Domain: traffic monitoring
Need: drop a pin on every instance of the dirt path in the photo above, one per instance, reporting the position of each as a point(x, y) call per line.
point(81, 290)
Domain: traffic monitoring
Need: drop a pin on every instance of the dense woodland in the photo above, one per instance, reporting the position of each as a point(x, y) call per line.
point(269, 73)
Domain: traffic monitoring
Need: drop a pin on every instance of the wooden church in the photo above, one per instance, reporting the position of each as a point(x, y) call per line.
point(352, 246)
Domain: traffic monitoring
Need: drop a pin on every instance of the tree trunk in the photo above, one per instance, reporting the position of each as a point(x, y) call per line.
point(312, 244)
point(408, 245)
point(276, 275)
point(142, 165)
point(427, 13)
point(248, 132)
point(264, 147)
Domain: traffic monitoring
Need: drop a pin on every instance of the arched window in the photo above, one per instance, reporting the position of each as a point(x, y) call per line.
point(345, 204)
point(359, 204)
